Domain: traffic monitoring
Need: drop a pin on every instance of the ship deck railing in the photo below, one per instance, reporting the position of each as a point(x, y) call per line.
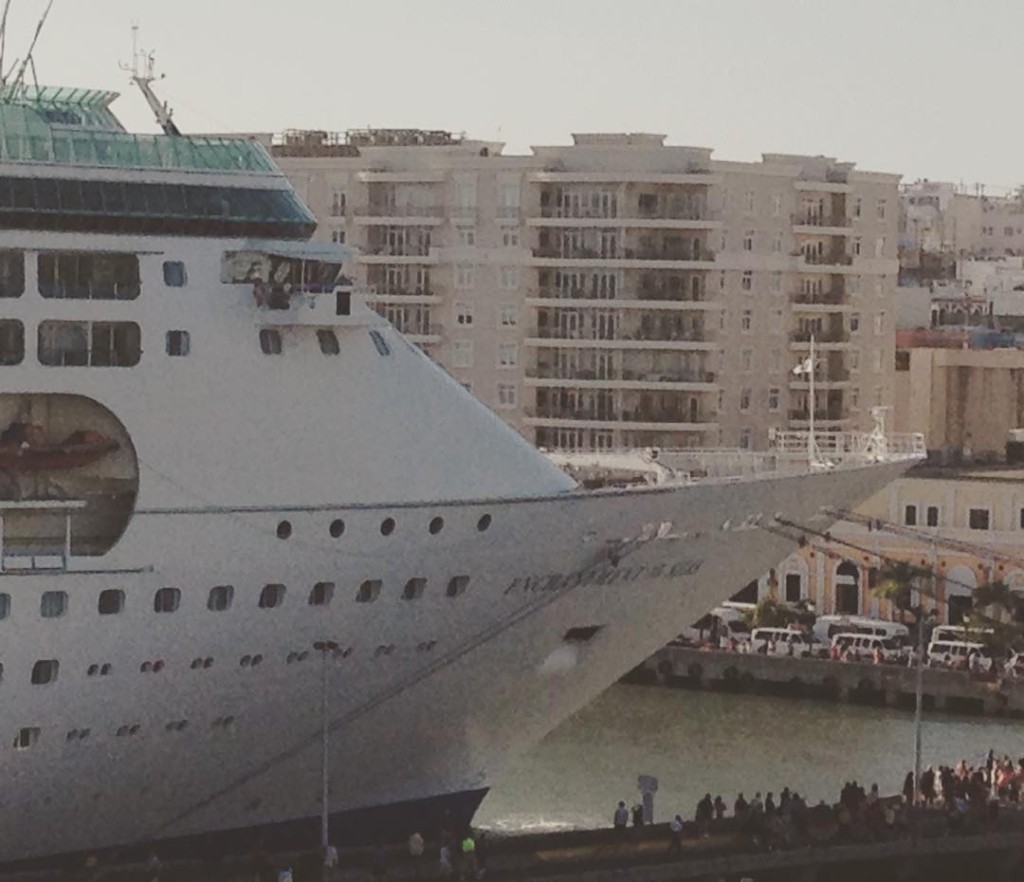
point(54, 558)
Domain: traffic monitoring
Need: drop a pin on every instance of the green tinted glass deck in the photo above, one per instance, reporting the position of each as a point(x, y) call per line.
point(76, 127)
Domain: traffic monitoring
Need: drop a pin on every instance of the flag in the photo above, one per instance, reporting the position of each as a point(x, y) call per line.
point(805, 367)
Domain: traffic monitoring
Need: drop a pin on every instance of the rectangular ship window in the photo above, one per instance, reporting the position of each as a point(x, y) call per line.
point(96, 344)
point(12, 273)
point(12, 342)
point(84, 275)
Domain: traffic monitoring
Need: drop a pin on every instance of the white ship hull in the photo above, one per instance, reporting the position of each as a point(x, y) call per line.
point(408, 723)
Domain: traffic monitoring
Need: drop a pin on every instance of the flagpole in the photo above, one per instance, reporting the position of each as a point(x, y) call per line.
point(812, 450)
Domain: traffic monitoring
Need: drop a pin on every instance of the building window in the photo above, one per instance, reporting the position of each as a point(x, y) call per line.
point(509, 315)
point(746, 321)
point(748, 240)
point(463, 314)
point(328, 341)
point(166, 600)
point(178, 343)
point(745, 439)
point(777, 244)
point(910, 515)
point(932, 516)
point(794, 587)
point(508, 355)
point(96, 344)
point(338, 237)
point(457, 585)
point(902, 360)
point(773, 399)
point(338, 203)
point(746, 360)
point(369, 591)
point(462, 353)
point(270, 341)
point(322, 594)
point(506, 395)
point(744, 399)
point(414, 589)
point(879, 322)
point(857, 205)
point(465, 276)
point(465, 235)
point(510, 237)
point(747, 281)
point(5, 605)
point(12, 341)
point(777, 204)
point(879, 358)
point(174, 274)
point(86, 275)
point(880, 209)
point(53, 604)
point(111, 602)
point(853, 359)
point(748, 202)
point(12, 273)
point(45, 671)
point(509, 278)
point(854, 398)
point(272, 596)
point(978, 518)
point(220, 598)
point(854, 322)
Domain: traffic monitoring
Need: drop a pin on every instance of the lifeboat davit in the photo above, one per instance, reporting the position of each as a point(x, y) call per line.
point(25, 448)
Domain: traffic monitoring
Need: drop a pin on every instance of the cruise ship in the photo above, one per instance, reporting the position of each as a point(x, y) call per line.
point(251, 537)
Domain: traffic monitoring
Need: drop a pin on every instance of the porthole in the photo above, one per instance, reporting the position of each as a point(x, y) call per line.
point(484, 523)
point(105, 669)
point(207, 663)
point(257, 659)
point(197, 663)
point(337, 528)
point(436, 526)
point(387, 526)
point(92, 670)
point(145, 667)
point(271, 597)
point(245, 661)
point(158, 666)
point(284, 529)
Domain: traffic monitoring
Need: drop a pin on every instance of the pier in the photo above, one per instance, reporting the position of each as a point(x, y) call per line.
point(990, 848)
point(860, 682)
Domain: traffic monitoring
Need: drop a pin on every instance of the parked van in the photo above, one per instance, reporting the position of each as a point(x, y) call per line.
point(826, 627)
point(956, 653)
point(762, 640)
point(959, 633)
point(864, 646)
point(726, 621)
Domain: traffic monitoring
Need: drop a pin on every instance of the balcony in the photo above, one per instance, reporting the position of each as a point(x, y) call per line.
point(671, 419)
point(545, 377)
point(831, 379)
point(394, 215)
point(651, 335)
point(834, 258)
point(666, 255)
point(379, 254)
point(823, 414)
point(825, 336)
point(834, 297)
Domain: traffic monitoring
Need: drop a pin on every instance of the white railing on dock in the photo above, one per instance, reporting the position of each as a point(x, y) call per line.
point(53, 559)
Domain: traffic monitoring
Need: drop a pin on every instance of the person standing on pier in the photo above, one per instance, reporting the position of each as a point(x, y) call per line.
point(675, 828)
point(621, 817)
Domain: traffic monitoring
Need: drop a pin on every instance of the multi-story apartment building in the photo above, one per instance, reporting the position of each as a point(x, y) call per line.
point(618, 291)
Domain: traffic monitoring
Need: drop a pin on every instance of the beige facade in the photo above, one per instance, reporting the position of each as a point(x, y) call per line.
point(621, 292)
point(941, 217)
point(964, 526)
point(965, 401)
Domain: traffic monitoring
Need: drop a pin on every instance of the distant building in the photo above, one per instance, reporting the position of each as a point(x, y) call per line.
point(965, 525)
point(619, 291)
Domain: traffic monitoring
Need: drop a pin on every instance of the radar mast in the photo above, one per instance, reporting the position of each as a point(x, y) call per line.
point(143, 76)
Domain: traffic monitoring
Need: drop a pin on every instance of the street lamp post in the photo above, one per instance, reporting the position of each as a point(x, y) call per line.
point(922, 620)
point(325, 648)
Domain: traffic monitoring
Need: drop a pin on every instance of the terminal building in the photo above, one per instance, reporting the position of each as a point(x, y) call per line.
point(618, 291)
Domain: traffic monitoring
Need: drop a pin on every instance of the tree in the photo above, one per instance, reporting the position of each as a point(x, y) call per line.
point(998, 614)
point(897, 582)
point(771, 613)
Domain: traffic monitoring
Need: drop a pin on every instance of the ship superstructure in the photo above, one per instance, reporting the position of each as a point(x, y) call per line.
point(215, 458)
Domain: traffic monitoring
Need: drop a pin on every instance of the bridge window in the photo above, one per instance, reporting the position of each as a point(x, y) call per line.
point(457, 585)
point(45, 671)
point(321, 594)
point(369, 591)
point(53, 604)
point(328, 341)
point(12, 273)
point(96, 344)
point(111, 602)
point(12, 342)
point(174, 274)
point(271, 597)
point(84, 275)
point(178, 343)
point(220, 598)
point(5, 605)
point(166, 600)
point(270, 341)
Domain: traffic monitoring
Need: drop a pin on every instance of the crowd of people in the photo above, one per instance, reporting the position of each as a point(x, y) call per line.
point(949, 799)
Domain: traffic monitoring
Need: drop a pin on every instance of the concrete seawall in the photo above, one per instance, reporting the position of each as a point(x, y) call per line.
point(860, 682)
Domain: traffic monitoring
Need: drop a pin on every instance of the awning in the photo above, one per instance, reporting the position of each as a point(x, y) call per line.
point(327, 252)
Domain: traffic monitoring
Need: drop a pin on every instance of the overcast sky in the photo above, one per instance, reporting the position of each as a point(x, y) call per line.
point(926, 88)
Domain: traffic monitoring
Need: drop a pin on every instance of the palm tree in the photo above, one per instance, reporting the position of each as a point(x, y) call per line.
point(898, 580)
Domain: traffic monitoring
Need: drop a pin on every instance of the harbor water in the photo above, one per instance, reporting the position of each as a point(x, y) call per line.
point(700, 742)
